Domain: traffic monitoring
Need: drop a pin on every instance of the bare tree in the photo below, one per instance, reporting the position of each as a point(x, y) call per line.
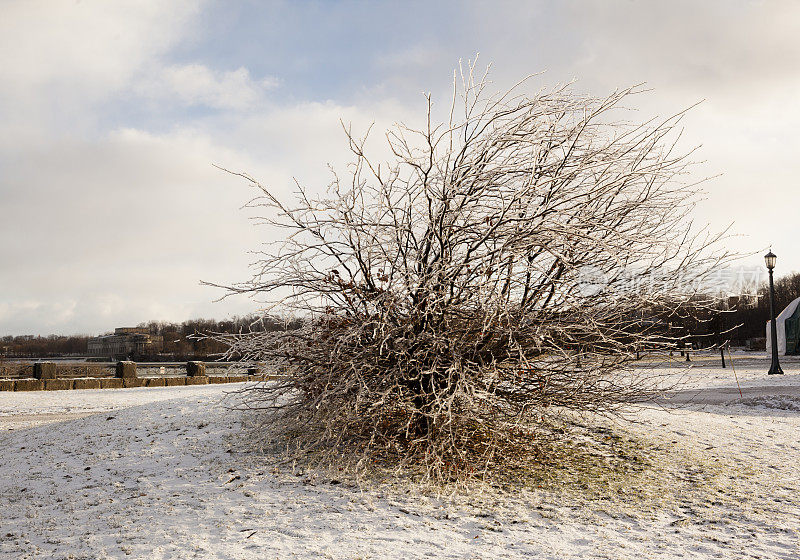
point(507, 261)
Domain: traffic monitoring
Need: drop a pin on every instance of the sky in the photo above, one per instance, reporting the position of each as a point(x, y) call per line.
point(114, 114)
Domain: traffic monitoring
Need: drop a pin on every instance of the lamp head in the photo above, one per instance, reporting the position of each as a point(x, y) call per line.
point(770, 259)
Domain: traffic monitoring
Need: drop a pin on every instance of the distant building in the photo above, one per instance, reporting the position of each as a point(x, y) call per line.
point(125, 342)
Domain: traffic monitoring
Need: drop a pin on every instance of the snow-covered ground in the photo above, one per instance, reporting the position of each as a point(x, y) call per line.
point(162, 473)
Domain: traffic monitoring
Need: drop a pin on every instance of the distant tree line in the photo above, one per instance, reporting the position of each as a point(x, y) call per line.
point(753, 314)
point(189, 339)
point(180, 340)
point(742, 318)
point(43, 346)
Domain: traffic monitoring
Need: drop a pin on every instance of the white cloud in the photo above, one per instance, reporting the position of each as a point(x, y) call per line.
point(127, 225)
point(57, 58)
point(134, 219)
point(195, 84)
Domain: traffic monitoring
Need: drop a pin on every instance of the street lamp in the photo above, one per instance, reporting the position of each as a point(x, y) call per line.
point(775, 368)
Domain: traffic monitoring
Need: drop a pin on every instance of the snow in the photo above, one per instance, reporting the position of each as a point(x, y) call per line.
point(163, 473)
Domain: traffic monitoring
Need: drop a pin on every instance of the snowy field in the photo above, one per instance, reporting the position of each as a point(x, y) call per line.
point(161, 473)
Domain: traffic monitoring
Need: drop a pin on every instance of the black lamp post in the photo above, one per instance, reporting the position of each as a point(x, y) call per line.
point(775, 368)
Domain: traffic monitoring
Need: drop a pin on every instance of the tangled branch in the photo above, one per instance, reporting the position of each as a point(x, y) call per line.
point(509, 261)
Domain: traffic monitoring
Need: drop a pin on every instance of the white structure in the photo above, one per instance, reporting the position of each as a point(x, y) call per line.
point(125, 342)
point(780, 327)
